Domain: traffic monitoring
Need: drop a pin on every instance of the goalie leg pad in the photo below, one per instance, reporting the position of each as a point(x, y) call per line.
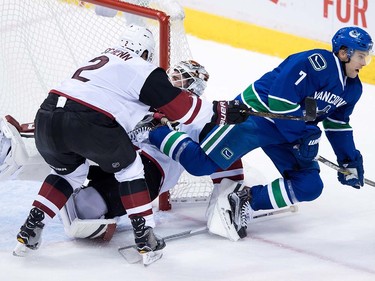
point(219, 217)
point(91, 223)
point(14, 159)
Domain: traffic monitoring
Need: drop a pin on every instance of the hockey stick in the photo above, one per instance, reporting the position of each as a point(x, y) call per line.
point(310, 107)
point(184, 234)
point(340, 169)
point(293, 209)
point(131, 255)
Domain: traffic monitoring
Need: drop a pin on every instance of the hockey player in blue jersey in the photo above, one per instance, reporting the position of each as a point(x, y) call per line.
point(331, 78)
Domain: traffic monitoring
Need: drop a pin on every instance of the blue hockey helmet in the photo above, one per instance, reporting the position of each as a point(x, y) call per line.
point(354, 38)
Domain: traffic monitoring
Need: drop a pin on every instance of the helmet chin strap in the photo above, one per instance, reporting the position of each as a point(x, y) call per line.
point(343, 64)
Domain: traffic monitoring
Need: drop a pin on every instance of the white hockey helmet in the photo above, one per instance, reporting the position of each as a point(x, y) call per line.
point(138, 39)
point(189, 75)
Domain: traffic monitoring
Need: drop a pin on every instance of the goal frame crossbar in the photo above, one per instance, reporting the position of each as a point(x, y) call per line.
point(160, 16)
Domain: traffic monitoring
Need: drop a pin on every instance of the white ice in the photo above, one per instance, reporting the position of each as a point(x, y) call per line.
point(331, 238)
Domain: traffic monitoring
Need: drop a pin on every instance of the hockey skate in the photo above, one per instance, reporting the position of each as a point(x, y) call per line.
point(241, 211)
point(30, 233)
point(229, 212)
point(147, 243)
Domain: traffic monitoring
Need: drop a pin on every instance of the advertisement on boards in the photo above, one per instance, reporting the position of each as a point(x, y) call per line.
point(316, 20)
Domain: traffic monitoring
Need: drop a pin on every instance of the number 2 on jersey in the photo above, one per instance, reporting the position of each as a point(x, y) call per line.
point(102, 60)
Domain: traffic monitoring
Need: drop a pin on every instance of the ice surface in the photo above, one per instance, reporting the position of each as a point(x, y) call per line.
point(331, 238)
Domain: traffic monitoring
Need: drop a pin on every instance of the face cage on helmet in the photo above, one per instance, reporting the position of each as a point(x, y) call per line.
point(187, 81)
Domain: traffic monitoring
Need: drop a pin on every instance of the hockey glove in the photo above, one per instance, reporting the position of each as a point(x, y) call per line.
point(229, 112)
point(306, 148)
point(355, 175)
point(140, 132)
point(148, 123)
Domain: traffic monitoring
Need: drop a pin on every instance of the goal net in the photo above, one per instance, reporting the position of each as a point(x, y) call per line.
point(42, 41)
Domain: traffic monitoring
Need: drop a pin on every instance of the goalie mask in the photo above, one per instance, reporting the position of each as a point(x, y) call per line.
point(139, 39)
point(189, 75)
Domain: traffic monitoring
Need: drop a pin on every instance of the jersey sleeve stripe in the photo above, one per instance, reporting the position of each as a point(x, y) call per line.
point(184, 108)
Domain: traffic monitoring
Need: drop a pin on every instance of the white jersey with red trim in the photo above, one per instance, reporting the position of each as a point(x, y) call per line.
point(170, 170)
point(112, 83)
point(124, 86)
point(202, 118)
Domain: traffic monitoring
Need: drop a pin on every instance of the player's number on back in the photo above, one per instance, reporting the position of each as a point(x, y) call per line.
point(102, 60)
point(303, 75)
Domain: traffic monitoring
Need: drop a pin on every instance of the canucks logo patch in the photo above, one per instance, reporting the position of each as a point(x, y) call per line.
point(318, 62)
point(227, 153)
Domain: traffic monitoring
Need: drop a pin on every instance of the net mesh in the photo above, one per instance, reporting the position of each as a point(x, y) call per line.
point(43, 41)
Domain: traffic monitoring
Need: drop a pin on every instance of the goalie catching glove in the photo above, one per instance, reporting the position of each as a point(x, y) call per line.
point(148, 123)
point(355, 175)
point(229, 112)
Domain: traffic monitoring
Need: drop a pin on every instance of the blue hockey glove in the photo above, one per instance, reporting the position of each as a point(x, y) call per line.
point(306, 148)
point(356, 176)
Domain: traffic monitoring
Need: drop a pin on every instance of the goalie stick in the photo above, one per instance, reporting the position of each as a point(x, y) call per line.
point(340, 169)
point(131, 255)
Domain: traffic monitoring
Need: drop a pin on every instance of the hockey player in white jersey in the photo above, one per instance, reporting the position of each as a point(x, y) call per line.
point(92, 210)
point(88, 116)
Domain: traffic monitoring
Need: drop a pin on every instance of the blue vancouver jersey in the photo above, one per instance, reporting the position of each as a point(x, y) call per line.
point(315, 73)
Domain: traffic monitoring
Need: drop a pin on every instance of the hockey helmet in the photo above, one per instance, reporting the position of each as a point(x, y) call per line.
point(354, 38)
point(189, 75)
point(138, 39)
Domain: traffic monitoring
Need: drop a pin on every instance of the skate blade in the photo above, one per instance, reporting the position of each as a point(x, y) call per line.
point(20, 250)
point(151, 257)
point(130, 254)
